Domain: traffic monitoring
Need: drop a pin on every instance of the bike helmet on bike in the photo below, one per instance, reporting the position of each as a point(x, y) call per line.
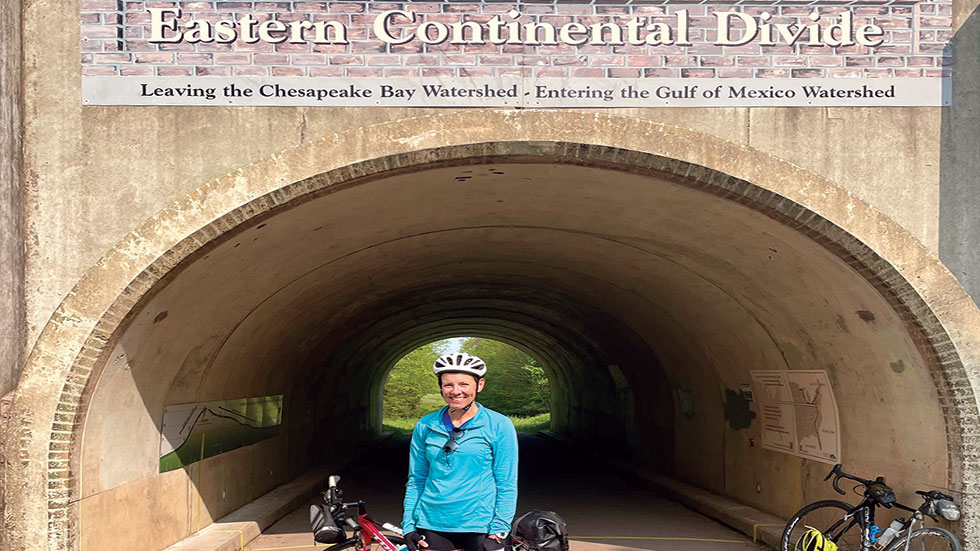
point(814, 540)
point(460, 363)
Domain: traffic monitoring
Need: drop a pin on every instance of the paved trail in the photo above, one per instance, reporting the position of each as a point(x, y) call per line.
point(601, 507)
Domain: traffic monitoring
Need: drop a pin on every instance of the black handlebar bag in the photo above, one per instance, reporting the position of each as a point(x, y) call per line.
point(325, 529)
point(540, 531)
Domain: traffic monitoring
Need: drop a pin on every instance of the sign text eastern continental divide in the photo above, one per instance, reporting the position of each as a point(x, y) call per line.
point(395, 27)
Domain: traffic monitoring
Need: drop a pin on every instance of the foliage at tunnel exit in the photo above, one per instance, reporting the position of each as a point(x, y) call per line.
point(516, 383)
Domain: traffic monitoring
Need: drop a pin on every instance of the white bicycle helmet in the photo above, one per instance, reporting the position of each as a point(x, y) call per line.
point(460, 363)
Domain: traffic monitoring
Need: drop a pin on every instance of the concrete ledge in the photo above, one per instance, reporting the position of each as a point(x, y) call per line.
point(234, 531)
point(761, 527)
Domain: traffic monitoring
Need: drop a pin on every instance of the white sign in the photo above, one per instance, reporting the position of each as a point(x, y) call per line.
point(515, 92)
point(799, 414)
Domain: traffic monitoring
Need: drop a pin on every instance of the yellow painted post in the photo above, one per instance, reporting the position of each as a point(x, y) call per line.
point(200, 465)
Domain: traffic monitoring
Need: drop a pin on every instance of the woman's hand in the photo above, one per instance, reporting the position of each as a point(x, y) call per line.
point(494, 542)
point(414, 540)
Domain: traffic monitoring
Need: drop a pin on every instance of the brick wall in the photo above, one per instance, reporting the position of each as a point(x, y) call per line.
point(115, 42)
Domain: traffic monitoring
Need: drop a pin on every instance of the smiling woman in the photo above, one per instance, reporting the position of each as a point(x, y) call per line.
point(462, 468)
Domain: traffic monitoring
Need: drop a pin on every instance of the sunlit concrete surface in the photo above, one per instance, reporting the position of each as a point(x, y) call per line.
point(604, 510)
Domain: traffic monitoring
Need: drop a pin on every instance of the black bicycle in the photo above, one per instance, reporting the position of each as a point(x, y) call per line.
point(832, 525)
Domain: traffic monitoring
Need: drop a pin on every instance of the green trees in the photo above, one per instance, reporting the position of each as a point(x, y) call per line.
point(516, 383)
point(410, 380)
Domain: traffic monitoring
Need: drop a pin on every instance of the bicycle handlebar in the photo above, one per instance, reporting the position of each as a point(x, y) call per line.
point(934, 495)
point(837, 473)
point(879, 494)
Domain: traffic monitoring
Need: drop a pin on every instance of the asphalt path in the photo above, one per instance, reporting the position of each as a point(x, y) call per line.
point(605, 510)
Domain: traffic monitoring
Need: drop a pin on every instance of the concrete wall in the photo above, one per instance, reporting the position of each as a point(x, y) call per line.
point(12, 326)
point(960, 158)
point(182, 501)
point(177, 149)
point(12, 333)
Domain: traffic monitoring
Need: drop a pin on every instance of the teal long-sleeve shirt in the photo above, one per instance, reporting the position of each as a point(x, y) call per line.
point(471, 489)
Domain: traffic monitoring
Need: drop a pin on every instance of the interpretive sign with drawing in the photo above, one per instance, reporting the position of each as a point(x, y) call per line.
point(194, 432)
point(799, 413)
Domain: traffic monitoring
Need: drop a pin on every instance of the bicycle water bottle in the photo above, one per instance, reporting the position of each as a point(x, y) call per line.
point(889, 534)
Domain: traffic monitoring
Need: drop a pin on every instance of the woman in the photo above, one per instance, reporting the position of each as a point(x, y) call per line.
point(462, 467)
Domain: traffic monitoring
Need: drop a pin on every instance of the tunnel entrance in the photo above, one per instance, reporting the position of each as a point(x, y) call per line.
point(644, 290)
point(642, 279)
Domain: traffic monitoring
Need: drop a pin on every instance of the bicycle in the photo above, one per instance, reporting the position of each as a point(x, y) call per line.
point(367, 534)
point(828, 525)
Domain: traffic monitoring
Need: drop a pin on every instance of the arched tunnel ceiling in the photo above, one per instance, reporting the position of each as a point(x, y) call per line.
point(573, 263)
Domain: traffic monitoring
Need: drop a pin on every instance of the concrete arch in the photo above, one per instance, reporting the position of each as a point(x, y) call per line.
point(48, 411)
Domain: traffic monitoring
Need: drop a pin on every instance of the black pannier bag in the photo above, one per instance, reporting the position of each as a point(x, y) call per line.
point(540, 531)
point(325, 529)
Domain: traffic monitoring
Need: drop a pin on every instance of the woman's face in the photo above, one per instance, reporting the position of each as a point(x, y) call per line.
point(459, 389)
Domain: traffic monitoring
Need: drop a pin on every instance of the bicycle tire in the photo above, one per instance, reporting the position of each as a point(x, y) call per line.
point(356, 544)
point(831, 518)
point(930, 538)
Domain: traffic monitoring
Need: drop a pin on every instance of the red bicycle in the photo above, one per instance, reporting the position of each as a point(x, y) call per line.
point(367, 535)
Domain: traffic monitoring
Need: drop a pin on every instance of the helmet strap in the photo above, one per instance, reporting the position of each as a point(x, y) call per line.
point(463, 409)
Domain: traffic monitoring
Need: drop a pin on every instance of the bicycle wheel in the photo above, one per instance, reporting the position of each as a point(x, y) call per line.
point(835, 520)
point(356, 544)
point(932, 538)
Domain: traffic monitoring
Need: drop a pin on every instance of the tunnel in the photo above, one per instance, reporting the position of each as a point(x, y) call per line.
point(650, 288)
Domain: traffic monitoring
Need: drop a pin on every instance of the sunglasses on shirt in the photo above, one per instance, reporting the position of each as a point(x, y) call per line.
point(453, 442)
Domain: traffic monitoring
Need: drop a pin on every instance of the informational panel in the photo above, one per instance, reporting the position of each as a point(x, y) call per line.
point(799, 413)
point(595, 53)
point(192, 432)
